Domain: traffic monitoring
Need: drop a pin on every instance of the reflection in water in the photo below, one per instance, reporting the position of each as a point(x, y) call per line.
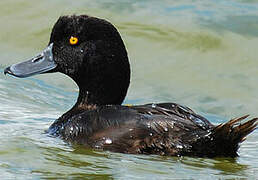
point(202, 54)
point(226, 166)
point(71, 165)
point(230, 167)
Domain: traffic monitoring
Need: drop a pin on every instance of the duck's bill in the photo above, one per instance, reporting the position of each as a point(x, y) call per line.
point(42, 63)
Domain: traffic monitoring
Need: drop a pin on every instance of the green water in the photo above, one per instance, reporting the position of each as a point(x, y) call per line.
point(202, 54)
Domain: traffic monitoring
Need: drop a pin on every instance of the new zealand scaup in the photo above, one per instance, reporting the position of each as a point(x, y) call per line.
point(91, 52)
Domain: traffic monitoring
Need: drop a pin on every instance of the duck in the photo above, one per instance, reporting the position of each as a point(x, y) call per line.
point(92, 53)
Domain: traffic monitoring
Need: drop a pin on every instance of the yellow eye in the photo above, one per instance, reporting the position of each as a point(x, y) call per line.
point(73, 40)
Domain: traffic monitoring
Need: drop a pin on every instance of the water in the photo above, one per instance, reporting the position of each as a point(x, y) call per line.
point(196, 53)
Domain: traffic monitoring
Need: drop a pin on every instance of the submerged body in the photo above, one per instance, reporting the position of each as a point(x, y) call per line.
point(92, 53)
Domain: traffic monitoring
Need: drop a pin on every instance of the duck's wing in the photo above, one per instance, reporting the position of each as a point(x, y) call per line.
point(175, 110)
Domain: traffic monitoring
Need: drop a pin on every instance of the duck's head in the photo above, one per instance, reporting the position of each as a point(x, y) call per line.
point(91, 52)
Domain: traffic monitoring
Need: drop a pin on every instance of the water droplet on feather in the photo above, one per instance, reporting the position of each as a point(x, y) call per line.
point(153, 105)
point(108, 141)
point(179, 146)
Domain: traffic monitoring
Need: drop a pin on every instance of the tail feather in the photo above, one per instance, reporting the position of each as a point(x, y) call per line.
point(225, 138)
point(231, 134)
point(234, 130)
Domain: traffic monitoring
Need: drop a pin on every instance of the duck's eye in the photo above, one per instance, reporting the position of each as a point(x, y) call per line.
point(73, 40)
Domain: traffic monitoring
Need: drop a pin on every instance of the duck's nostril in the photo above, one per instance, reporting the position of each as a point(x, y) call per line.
point(37, 58)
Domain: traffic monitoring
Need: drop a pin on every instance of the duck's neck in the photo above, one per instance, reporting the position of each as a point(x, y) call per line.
point(89, 99)
point(86, 100)
point(84, 103)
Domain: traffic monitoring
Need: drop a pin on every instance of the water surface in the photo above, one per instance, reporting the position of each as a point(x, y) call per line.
point(199, 54)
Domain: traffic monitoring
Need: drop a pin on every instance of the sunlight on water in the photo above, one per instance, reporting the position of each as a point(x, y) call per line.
point(196, 53)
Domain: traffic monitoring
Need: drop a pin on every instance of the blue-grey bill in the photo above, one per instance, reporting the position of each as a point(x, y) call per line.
point(41, 63)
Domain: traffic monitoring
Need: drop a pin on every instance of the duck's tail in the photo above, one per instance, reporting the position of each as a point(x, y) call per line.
point(224, 139)
point(229, 135)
